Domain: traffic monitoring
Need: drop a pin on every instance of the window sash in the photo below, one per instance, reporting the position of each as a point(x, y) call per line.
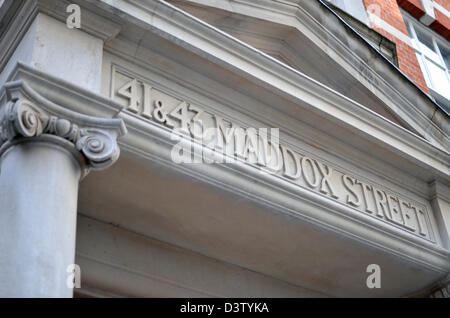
point(431, 61)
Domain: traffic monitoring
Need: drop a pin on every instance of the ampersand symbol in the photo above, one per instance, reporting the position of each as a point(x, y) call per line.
point(158, 114)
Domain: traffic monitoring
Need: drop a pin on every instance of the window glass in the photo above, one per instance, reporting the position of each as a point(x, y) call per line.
point(439, 79)
point(426, 46)
point(424, 39)
point(422, 67)
point(434, 59)
point(445, 55)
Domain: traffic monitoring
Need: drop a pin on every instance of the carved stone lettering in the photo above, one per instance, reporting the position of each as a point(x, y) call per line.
point(352, 197)
point(226, 142)
point(311, 178)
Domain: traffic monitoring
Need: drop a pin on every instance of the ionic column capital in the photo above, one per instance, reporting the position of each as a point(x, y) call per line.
point(25, 115)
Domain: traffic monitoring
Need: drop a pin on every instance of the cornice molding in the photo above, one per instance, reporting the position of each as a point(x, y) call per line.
point(26, 115)
point(153, 142)
point(440, 191)
point(93, 23)
point(220, 103)
point(16, 29)
point(201, 38)
point(305, 15)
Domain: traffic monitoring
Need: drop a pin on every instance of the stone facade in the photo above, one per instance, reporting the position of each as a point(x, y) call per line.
point(214, 149)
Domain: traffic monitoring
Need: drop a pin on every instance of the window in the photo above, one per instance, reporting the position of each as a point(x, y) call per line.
point(434, 59)
point(445, 52)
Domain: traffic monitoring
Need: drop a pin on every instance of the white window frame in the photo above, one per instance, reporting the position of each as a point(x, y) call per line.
point(437, 40)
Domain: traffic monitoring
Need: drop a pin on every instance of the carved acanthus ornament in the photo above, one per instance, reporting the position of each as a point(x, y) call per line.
point(20, 118)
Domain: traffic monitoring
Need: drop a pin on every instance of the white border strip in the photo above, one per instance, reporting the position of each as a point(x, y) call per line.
point(440, 8)
point(377, 21)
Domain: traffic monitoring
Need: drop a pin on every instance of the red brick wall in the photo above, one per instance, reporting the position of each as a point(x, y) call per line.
point(442, 23)
point(444, 3)
point(414, 7)
point(389, 12)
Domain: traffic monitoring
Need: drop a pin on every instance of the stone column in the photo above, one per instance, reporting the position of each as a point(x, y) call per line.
point(43, 156)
